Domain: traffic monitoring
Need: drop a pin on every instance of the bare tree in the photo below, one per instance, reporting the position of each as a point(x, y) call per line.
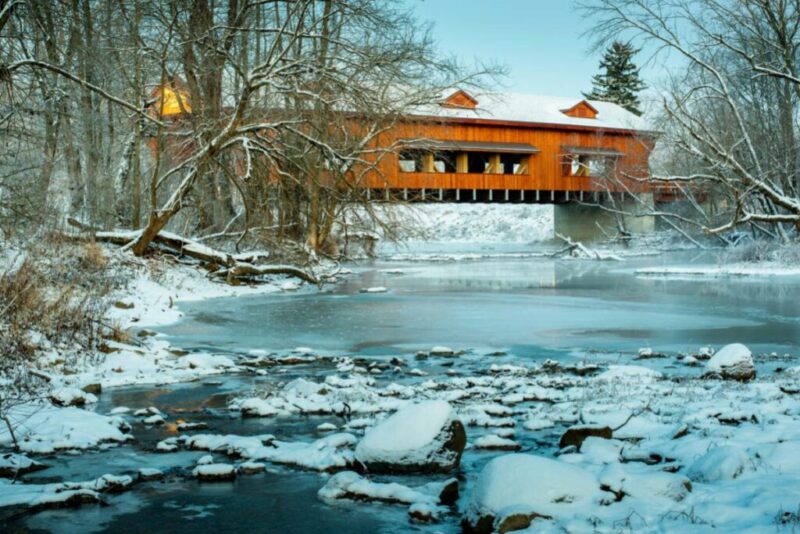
point(283, 107)
point(729, 112)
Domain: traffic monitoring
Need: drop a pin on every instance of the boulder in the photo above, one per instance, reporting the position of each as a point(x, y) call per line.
point(418, 438)
point(69, 396)
point(94, 389)
point(732, 362)
point(14, 465)
point(214, 472)
point(576, 435)
point(514, 490)
point(149, 473)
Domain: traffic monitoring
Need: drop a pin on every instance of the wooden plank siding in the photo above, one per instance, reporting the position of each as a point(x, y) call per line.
point(546, 169)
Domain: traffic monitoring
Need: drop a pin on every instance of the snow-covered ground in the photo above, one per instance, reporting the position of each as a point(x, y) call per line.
point(148, 301)
point(484, 223)
point(731, 269)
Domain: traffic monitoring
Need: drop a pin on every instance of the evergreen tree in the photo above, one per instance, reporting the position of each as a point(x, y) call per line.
point(618, 80)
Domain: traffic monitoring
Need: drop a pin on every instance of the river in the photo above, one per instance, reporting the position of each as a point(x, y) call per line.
point(511, 300)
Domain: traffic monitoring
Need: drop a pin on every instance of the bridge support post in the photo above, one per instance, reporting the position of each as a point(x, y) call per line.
point(458, 195)
point(422, 194)
point(522, 195)
point(580, 222)
point(491, 195)
point(441, 195)
point(405, 194)
point(506, 195)
point(474, 195)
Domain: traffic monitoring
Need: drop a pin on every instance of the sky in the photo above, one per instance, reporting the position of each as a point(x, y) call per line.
point(539, 41)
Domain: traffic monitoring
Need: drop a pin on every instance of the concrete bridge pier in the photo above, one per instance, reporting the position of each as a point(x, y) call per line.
point(580, 221)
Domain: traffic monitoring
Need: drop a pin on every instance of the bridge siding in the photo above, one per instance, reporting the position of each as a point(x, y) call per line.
point(546, 169)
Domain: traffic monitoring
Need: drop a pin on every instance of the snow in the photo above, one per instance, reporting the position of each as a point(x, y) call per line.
point(375, 289)
point(520, 107)
point(626, 372)
point(733, 269)
point(349, 483)
point(493, 441)
point(331, 452)
point(424, 501)
point(729, 357)
point(407, 436)
point(478, 223)
point(44, 495)
point(12, 464)
point(68, 396)
point(719, 463)
point(524, 483)
point(214, 471)
point(42, 428)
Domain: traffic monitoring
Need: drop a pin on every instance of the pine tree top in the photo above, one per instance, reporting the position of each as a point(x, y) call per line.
point(618, 80)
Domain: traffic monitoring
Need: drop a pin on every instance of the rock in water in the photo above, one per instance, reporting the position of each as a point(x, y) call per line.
point(418, 438)
point(214, 472)
point(576, 435)
point(732, 362)
point(515, 489)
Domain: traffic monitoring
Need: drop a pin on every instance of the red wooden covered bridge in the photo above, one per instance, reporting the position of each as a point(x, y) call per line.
point(507, 147)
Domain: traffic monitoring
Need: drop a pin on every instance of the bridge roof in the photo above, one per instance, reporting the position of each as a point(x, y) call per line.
point(525, 108)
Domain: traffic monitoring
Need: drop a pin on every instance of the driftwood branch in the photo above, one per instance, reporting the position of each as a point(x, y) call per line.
point(576, 246)
point(223, 265)
point(241, 271)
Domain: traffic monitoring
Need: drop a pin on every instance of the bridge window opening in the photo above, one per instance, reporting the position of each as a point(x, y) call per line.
point(411, 161)
point(444, 161)
point(478, 163)
point(586, 165)
point(417, 160)
point(513, 164)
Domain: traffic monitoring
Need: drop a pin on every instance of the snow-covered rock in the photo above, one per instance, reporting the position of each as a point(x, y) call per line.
point(251, 468)
point(72, 397)
point(331, 453)
point(149, 473)
point(495, 442)
point(733, 362)
point(576, 435)
point(44, 428)
point(13, 465)
point(214, 472)
point(518, 488)
point(422, 437)
point(628, 372)
point(719, 463)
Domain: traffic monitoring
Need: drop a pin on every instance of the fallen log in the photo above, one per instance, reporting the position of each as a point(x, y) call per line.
point(240, 271)
point(224, 265)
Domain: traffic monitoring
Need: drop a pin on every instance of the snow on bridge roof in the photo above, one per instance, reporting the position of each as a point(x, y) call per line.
point(518, 107)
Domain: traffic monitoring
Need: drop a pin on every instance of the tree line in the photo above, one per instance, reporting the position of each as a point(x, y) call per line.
point(270, 151)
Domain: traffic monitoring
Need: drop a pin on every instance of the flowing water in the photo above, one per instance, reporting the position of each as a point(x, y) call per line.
point(510, 300)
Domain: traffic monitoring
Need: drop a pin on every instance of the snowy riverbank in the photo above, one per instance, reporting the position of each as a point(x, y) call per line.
point(647, 440)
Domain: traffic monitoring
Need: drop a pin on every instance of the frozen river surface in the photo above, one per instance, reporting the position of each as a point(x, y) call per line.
point(527, 305)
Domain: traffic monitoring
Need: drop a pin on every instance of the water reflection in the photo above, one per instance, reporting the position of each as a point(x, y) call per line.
point(497, 303)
